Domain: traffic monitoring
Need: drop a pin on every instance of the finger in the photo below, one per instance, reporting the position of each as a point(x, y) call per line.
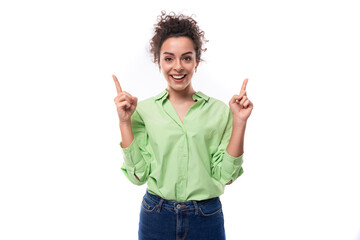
point(243, 100)
point(242, 94)
point(117, 84)
point(234, 99)
point(130, 97)
point(246, 103)
point(243, 87)
point(128, 94)
point(237, 98)
point(124, 105)
point(124, 97)
point(251, 105)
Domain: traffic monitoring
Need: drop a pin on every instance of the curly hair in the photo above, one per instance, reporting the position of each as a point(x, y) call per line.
point(173, 25)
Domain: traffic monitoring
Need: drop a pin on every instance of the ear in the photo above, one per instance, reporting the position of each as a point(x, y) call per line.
point(159, 65)
point(197, 62)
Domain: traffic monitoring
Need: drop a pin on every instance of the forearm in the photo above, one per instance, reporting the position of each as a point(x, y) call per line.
point(127, 135)
point(235, 147)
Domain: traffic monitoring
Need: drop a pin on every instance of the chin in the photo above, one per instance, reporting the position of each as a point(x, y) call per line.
point(177, 88)
point(180, 85)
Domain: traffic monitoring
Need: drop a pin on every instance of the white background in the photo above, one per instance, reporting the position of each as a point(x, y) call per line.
point(60, 174)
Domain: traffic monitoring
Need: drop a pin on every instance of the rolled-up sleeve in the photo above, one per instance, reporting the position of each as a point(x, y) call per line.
point(137, 155)
point(224, 167)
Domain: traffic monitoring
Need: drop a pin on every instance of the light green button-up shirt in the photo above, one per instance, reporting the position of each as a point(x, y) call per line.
point(181, 161)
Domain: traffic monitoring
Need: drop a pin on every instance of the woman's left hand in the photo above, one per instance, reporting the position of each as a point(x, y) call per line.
point(241, 106)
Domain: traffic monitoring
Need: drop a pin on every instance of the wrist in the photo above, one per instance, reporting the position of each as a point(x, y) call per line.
point(126, 123)
point(239, 123)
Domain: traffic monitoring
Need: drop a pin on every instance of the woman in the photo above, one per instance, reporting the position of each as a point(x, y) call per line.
point(186, 145)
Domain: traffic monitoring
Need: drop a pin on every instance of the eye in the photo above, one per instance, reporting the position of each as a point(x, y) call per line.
point(187, 59)
point(167, 59)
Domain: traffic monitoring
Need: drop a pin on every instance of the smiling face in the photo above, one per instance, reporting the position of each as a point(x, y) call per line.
point(178, 62)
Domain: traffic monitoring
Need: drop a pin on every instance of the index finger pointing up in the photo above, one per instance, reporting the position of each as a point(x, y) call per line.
point(117, 84)
point(243, 87)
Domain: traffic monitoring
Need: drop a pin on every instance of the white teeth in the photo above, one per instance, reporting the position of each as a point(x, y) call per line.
point(178, 77)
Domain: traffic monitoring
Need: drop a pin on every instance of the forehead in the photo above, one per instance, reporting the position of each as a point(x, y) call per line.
point(177, 45)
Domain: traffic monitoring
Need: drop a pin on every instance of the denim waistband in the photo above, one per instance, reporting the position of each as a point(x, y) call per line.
point(177, 205)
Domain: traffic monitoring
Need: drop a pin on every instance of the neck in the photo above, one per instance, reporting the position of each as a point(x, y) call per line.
point(180, 96)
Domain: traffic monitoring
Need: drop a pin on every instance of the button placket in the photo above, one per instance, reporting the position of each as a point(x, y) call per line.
point(184, 169)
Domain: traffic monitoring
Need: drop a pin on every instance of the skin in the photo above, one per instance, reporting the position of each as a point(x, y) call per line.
point(177, 57)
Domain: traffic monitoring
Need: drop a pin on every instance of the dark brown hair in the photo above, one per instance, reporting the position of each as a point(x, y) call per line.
point(173, 25)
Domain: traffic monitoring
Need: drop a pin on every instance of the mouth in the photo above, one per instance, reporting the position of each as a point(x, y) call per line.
point(178, 78)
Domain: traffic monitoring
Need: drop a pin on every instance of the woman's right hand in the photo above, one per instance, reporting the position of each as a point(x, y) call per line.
point(125, 103)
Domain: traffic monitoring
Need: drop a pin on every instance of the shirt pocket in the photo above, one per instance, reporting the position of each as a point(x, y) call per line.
point(211, 208)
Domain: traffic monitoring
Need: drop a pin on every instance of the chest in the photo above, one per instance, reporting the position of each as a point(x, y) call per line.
point(168, 123)
point(182, 109)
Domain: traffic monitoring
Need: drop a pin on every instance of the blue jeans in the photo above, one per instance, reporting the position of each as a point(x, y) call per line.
point(162, 219)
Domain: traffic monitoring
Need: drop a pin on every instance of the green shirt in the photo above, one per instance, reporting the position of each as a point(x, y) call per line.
point(181, 161)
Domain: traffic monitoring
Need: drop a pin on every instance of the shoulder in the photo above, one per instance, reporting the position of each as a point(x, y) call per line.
point(146, 106)
point(217, 104)
point(148, 102)
point(151, 102)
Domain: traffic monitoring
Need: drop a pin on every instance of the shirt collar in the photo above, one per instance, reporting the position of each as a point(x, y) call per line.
point(196, 96)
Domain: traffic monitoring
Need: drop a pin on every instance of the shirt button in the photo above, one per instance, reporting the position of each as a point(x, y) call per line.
point(178, 206)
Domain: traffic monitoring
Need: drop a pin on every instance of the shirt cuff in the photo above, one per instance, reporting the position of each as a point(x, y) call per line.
point(231, 167)
point(132, 154)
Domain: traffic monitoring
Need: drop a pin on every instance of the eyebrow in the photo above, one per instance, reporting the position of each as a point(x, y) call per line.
point(174, 54)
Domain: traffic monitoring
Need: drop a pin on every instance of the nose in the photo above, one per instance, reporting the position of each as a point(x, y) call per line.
point(178, 67)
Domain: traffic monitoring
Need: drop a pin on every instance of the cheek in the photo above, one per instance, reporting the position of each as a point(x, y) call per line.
point(192, 65)
point(165, 67)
